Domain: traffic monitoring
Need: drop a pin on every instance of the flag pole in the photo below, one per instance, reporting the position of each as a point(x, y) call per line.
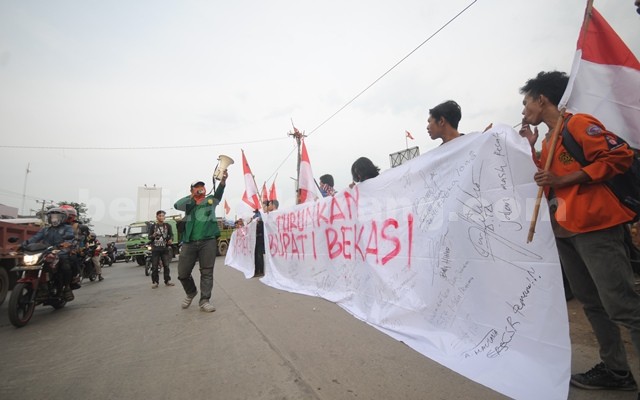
point(585, 22)
point(557, 129)
point(552, 149)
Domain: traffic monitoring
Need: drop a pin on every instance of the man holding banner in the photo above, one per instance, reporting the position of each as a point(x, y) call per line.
point(443, 121)
point(588, 225)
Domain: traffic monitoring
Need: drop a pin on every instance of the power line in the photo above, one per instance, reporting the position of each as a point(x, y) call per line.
point(393, 67)
point(262, 140)
point(378, 79)
point(138, 148)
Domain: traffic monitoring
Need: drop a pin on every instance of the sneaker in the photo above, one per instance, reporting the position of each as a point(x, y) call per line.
point(207, 307)
point(169, 284)
point(601, 377)
point(154, 286)
point(100, 278)
point(187, 301)
point(68, 294)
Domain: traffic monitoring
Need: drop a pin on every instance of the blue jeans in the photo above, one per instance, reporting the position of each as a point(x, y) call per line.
point(599, 271)
point(203, 251)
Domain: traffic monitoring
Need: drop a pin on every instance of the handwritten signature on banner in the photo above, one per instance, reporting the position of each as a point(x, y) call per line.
point(433, 253)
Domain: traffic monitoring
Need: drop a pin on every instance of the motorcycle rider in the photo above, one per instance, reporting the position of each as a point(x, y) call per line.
point(75, 256)
point(111, 252)
point(160, 239)
point(59, 234)
point(94, 248)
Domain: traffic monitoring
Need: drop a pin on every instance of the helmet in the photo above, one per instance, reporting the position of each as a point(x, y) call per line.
point(92, 236)
point(72, 214)
point(56, 216)
point(84, 230)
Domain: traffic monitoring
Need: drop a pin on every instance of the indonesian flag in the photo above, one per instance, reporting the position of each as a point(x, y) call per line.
point(306, 184)
point(605, 80)
point(265, 194)
point(250, 195)
point(409, 135)
point(272, 192)
point(227, 209)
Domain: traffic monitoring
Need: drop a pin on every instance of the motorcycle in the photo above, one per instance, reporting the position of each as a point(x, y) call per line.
point(148, 267)
point(105, 259)
point(88, 270)
point(40, 283)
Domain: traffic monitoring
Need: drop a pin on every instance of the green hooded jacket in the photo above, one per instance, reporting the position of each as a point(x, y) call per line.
point(200, 219)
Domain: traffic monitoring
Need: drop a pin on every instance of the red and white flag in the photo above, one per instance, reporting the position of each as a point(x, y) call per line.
point(265, 194)
point(409, 135)
point(250, 195)
point(605, 80)
point(306, 184)
point(272, 192)
point(227, 209)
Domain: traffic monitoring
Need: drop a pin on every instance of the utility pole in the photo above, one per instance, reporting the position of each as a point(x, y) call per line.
point(42, 214)
point(24, 188)
point(298, 136)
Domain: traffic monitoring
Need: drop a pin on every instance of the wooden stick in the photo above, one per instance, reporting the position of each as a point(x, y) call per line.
point(552, 149)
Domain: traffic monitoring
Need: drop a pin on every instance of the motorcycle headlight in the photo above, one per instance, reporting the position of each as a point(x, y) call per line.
point(31, 259)
point(149, 248)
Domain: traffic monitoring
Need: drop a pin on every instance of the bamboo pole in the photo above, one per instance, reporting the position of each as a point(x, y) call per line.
point(585, 23)
point(552, 149)
point(556, 130)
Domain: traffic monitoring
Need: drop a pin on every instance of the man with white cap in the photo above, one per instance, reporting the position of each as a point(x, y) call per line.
point(199, 241)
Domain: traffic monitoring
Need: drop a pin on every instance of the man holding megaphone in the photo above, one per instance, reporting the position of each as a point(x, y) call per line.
point(199, 241)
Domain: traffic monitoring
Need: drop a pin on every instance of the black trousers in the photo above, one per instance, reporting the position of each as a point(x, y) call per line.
point(156, 255)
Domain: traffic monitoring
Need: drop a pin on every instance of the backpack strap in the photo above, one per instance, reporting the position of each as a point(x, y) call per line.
point(570, 144)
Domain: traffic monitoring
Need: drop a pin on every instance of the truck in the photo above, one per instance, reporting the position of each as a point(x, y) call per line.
point(137, 235)
point(226, 229)
point(12, 234)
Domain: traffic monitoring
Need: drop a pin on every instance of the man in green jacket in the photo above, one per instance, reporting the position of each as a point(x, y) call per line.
point(199, 241)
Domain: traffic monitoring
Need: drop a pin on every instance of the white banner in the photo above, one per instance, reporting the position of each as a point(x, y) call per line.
point(434, 254)
point(240, 254)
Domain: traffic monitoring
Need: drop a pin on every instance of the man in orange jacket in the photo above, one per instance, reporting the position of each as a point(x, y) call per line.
point(588, 221)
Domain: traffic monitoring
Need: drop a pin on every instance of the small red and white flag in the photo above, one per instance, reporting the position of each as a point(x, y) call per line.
point(306, 184)
point(227, 209)
point(605, 80)
point(272, 192)
point(250, 195)
point(265, 194)
point(409, 135)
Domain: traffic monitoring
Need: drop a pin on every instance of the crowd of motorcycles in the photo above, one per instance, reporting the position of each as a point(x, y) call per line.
point(40, 281)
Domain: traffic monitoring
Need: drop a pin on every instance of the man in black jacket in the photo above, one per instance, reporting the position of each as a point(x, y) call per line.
point(160, 239)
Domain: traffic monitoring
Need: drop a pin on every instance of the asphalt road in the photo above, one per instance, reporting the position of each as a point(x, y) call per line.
point(120, 339)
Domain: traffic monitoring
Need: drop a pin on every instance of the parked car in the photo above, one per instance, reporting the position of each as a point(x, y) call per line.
point(120, 252)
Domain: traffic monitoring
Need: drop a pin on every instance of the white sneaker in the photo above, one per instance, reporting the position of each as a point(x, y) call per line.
point(186, 302)
point(154, 286)
point(207, 307)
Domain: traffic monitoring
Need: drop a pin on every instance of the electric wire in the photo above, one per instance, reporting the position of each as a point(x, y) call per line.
point(392, 68)
point(262, 140)
point(188, 146)
point(379, 78)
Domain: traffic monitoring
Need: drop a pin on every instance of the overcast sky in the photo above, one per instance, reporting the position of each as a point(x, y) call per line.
point(225, 76)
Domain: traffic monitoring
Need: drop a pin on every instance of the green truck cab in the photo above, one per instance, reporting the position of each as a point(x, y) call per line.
point(137, 235)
